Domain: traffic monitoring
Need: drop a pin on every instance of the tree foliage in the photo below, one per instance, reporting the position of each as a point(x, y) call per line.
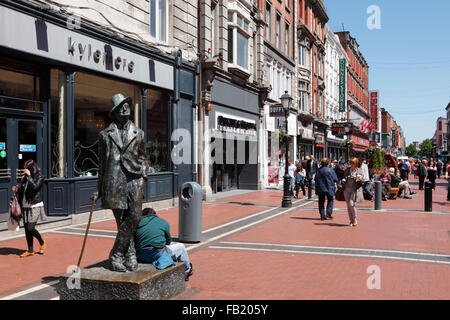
point(377, 160)
point(411, 151)
point(426, 148)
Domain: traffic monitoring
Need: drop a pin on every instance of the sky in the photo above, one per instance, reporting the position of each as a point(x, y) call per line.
point(408, 57)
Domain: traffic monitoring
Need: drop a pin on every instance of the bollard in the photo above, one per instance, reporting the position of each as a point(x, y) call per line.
point(428, 196)
point(378, 195)
point(309, 188)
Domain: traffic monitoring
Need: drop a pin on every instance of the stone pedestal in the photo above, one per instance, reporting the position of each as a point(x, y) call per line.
point(100, 283)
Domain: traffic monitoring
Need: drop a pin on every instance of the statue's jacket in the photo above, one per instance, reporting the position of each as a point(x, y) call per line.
point(120, 162)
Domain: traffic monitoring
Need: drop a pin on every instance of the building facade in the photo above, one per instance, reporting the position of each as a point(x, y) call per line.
point(357, 92)
point(278, 73)
point(312, 124)
point(59, 67)
point(230, 118)
point(334, 54)
point(440, 138)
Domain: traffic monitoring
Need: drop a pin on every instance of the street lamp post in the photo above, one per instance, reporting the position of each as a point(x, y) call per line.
point(286, 100)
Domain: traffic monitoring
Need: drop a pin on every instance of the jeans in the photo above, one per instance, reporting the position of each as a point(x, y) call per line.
point(176, 250)
point(367, 190)
point(291, 186)
point(330, 205)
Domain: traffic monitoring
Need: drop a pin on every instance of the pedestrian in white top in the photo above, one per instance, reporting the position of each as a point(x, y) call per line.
point(366, 179)
point(291, 170)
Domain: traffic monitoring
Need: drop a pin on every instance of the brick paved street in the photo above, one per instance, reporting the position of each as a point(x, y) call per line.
point(253, 249)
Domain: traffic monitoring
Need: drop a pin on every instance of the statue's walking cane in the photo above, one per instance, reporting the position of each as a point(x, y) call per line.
point(94, 200)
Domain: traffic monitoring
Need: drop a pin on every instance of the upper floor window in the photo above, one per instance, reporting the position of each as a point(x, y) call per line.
point(303, 54)
point(287, 39)
point(303, 95)
point(268, 21)
point(158, 19)
point(238, 41)
point(278, 31)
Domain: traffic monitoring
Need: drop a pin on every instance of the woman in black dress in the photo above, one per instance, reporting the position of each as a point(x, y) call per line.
point(432, 171)
point(30, 199)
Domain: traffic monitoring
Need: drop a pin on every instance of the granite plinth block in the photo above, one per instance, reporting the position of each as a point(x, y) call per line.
point(99, 283)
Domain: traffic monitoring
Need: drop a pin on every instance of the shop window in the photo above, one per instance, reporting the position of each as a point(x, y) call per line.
point(58, 91)
point(19, 80)
point(157, 146)
point(92, 114)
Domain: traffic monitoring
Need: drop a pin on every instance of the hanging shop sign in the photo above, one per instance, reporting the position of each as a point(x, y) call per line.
point(342, 88)
point(277, 110)
point(342, 128)
point(3, 154)
point(374, 100)
point(2, 146)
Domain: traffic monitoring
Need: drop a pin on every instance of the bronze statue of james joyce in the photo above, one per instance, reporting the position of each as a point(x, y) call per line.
point(121, 180)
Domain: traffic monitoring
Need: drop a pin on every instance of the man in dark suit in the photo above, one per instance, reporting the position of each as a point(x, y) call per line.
point(422, 173)
point(121, 180)
point(326, 179)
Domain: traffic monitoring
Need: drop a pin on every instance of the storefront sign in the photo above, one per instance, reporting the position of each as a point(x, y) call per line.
point(21, 32)
point(277, 110)
point(27, 148)
point(234, 124)
point(360, 141)
point(274, 175)
point(2, 145)
point(3, 154)
point(342, 88)
point(104, 56)
point(374, 99)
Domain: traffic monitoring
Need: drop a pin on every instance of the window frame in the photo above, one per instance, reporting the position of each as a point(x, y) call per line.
point(157, 30)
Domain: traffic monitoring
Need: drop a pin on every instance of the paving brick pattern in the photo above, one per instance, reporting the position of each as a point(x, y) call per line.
point(248, 274)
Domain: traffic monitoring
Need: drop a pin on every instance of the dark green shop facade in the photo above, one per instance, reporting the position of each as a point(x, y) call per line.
point(56, 86)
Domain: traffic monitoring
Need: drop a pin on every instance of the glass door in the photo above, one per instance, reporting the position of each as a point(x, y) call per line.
point(20, 140)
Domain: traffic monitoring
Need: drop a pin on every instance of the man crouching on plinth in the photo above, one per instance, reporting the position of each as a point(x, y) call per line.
point(121, 180)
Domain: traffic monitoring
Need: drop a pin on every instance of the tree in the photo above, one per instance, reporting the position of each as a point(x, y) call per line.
point(377, 160)
point(411, 151)
point(426, 148)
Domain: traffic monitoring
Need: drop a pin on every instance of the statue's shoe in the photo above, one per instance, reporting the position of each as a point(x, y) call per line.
point(118, 266)
point(131, 263)
point(117, 262)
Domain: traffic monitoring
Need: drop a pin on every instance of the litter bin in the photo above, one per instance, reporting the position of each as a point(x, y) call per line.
point(190, 212)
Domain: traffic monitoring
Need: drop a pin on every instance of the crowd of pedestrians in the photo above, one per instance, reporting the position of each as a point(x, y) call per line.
point(357, 181)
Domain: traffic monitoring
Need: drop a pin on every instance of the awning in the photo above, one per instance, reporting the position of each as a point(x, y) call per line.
point(320, 145)
point(359, 149)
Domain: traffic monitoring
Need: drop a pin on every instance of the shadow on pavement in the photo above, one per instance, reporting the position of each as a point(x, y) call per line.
point(302, 218)
point(331, 224)
point(9, 251)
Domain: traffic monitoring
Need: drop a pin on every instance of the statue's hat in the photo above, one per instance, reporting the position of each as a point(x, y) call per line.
point(118, 100)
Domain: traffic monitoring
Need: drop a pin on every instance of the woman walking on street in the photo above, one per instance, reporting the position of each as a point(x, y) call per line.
point(30, 199)
point(300, 178)
point(353, 182)
point(432, 171)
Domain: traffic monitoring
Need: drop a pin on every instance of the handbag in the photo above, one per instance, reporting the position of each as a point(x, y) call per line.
point(15, 211)
point(339, 194)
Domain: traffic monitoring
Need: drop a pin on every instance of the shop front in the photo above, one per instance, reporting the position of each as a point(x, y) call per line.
point(306, 140)
point(55, 97)
point(361, 142)
point(233, 123)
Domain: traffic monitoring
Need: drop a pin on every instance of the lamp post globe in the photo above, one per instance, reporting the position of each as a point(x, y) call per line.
point(286, 101)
